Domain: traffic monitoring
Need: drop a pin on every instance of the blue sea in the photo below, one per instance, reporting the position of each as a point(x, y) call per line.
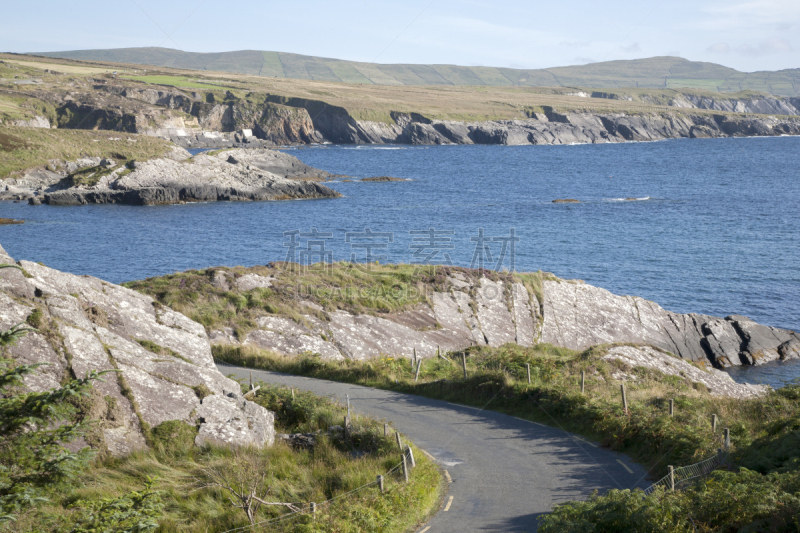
point(713, 226)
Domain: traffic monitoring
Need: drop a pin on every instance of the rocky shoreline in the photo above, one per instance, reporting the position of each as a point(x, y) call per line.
point(254, 174)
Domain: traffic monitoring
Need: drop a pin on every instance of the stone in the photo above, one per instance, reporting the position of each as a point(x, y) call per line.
point(719, 383)
point(232, 420)
point(97, 326)
point(722, 342)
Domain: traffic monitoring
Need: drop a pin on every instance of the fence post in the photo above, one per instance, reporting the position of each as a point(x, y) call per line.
point(399, 442)
point(727, 439)
point(720, 458)
point(251, 381)
point(293, 395)
point(348, 403)
point(314, 510)
point(583, 380)
point(347, 427)
point(380, 483)
point(405, 467)
point(386, 430)
point(671, 407)
point(624, 398)
point(671, 478)
point(410, 453)
point(464, 363)
point(415, 358)
point(416, 376)
point(528, 370)
point(713, 423)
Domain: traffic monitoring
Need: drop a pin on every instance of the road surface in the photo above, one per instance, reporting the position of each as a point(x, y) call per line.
point(506, 471)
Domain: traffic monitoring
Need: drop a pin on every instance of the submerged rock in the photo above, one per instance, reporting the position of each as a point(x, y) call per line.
point(161, 360)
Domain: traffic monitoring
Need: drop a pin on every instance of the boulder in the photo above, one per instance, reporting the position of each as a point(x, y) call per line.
point(161, 362)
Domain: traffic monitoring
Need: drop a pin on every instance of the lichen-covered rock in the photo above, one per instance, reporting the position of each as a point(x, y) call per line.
point(230, 419)
point(478, 311)
point(159, 362)
point(234, 175)
point(718, 382)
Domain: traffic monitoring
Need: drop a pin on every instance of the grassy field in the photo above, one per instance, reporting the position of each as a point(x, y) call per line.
point(655, 72)
point(333, 467)
point(177, 81)
point(462, 102)
point(22, 148)
point(759, 491)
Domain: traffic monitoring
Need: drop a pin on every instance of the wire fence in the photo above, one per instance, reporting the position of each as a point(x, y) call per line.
point(682, 474)
point(308, 508)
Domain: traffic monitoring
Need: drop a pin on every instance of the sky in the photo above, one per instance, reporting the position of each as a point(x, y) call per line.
point(747, 35)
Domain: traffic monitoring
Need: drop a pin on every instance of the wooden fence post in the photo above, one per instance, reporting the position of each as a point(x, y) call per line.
point(624, 398)
point(671, 478)
point(347, 427)
point(528, 370)
point(386, 430)
point(399, 442)
point(314, 510)
point(713, 423)
point(410, 454)
point(348, 405)
point(720, 458)
point(464, 363)
point(405, 467)
point(671, 407)
point(727, 438)
point(292, 393)
point(415, 358)
point(380, 483)
point(251, 381)
point(583, 380)
point(416, 376)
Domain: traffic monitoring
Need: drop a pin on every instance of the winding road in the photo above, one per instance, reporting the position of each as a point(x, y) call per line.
point(506, 472)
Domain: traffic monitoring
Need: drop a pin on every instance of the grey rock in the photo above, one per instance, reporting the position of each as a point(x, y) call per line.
point(235, 175)
point(238, 422)
point(98, 326)
point(722, 342)
point(719, 383)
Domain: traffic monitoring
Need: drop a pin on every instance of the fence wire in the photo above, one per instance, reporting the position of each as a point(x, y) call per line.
point(683, 474)
point(306, 509)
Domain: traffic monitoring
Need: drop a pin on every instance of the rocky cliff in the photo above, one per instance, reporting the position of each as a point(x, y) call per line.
point(237, 174)
point(466, 308)
point(222, 119)
point(161, 361)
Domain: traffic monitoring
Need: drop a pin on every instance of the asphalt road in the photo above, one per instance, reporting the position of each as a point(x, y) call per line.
point(506, 471)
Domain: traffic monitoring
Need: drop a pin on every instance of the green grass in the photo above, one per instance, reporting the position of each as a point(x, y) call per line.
point(654, 72)
point(497, 381)
point(332, 468)
point(177, 81)
point(359, 289)
point(765, 459)
point(23, 148)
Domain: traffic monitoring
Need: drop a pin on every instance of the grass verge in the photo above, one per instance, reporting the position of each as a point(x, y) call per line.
point(332, 468)
point(765, 431)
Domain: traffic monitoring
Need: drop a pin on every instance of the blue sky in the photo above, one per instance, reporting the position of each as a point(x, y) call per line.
point(744, 34)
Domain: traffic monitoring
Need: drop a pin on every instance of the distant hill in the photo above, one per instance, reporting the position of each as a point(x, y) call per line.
point(654, 72)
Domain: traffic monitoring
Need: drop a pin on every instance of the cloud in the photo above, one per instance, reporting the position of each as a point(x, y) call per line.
point(775, 45)
point(745, 15)
point(719, 48)
point(584, 60)
point(632, 48)
point(784, 26)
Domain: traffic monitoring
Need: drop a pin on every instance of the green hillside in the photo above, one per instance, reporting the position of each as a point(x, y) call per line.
point(655, 72)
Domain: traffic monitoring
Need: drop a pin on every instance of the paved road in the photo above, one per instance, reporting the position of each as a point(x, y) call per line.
point(506, 471)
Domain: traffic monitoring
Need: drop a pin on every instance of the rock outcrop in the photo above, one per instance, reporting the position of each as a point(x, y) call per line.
point(238, 174)
point(717, 382)
point(160, 361)
point(475, 310)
